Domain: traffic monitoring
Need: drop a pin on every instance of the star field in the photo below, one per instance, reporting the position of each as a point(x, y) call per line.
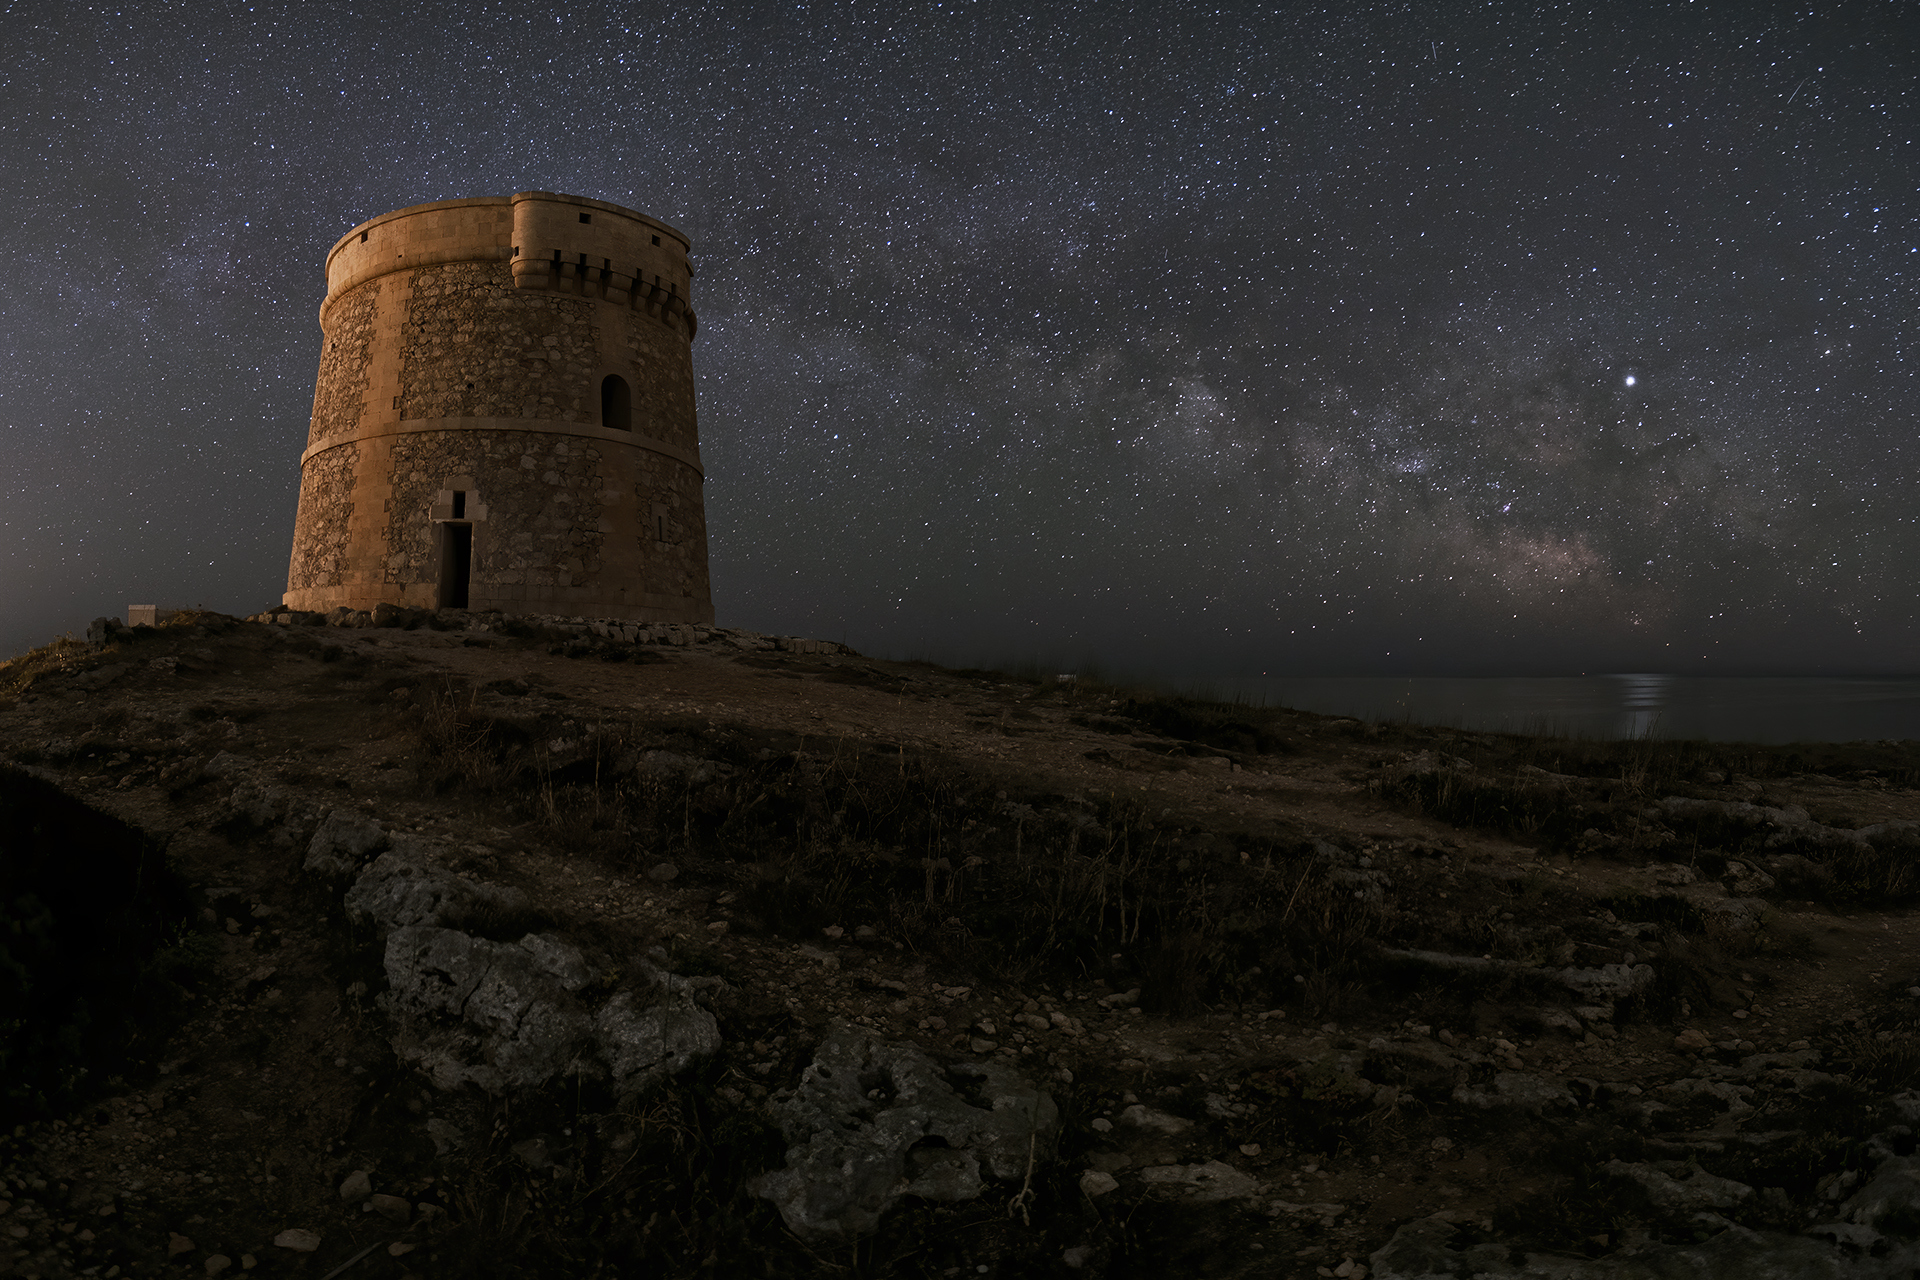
point(1375, 338)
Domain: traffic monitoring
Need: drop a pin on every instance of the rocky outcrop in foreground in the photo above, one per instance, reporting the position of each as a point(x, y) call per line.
point(555, 945)
point(872, 1123)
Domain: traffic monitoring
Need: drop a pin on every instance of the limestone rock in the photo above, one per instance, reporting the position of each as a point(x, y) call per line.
point(255, 804)
point(506, 1016)
point(1598, 987)
point(1740, 915)
point(1150, 1121)
point(871, 1122)
point(1203, 1183)
point(403, 888)
point(1731, 1098)
point(1893, 1196)
point(343, 841)
point(642, 1046)
point(1517, 1090)
point(1698, 1190)
point(1748, 882)
point(469, 1011)
point(392, 1208)
point(1608, 982)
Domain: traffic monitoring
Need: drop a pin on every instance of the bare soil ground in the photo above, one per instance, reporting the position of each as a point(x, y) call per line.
point(1239, 902)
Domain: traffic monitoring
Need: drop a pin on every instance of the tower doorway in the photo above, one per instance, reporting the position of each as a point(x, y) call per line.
point(456, 564)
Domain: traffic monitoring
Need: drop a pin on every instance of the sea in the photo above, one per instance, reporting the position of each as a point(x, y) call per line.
point(1718, 708)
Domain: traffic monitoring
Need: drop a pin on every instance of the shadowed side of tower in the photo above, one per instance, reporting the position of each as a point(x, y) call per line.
point(504, 416)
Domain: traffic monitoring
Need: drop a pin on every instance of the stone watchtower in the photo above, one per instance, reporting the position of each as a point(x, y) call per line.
point(504, 416)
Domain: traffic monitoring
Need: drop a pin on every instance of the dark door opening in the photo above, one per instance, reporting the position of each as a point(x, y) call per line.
point(456, 565)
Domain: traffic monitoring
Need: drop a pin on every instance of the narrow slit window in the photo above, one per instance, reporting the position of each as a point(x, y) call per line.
point(616, 403)
point(656, 239)
point(586, 217)
point(459, 504)
point(363, 238)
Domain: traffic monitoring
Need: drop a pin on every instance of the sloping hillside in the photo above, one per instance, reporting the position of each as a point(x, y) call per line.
point(485, 946)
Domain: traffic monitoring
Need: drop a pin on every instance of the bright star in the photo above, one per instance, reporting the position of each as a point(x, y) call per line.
point(1631, 379)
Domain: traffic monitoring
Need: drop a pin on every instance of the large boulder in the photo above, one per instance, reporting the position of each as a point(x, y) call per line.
point(872, 1122)
point(500, 1015)
point(508, 1016)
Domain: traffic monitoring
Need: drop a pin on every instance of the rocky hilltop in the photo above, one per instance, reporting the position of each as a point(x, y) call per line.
point(459, 944)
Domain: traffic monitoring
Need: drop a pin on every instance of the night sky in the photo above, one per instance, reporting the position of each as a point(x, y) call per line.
point(1374, 338)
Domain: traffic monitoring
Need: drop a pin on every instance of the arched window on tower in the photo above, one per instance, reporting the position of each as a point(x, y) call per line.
point(616, 403)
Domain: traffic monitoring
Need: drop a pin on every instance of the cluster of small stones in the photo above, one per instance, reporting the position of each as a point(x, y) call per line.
point(560, 628)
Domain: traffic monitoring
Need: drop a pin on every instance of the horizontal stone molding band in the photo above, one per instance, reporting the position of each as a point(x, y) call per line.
point(588, 431)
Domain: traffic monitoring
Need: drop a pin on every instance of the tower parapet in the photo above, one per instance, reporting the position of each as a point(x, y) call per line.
point(504, 416)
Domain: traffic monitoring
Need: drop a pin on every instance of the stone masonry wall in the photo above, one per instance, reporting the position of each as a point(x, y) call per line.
point(477, 347)
point(677, 564)
point(320, 528)
point(662, 378)
point(543, 497)
point(340, 392)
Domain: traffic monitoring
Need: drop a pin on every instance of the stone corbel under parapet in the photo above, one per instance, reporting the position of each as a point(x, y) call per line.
point(591, 249)
point(554, 272)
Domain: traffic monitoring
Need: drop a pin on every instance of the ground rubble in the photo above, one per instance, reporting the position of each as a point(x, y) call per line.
point(1614, 1060)
point(1869, 1233)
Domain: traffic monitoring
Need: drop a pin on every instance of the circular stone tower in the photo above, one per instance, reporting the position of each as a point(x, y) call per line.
point(504, 416)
